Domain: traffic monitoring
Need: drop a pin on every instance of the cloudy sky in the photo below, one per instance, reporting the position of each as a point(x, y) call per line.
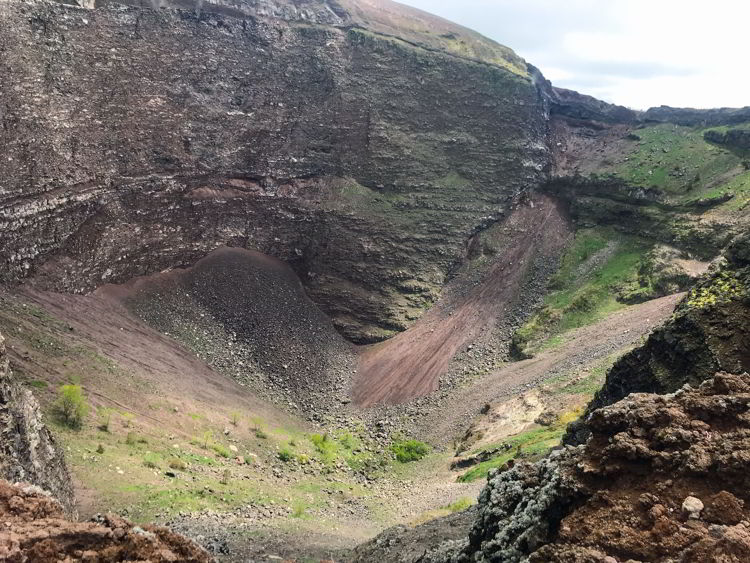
point(638, 53)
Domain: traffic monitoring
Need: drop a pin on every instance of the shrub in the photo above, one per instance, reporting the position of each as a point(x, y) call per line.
point(221, 450)
point(298, 510)
point(325, 445)
point(584, 302)
point(71, 405)
point(105, 416)
point(131, 439)
point(260, 434)
point(409, 450)
point(127, 419)
point(100, 449)
point(234, 418)
point(177, 463)
point(348, 441)
point(207, 437)
point(151, 461)
point(286, 455)
point(248, 460)
point(225, 477)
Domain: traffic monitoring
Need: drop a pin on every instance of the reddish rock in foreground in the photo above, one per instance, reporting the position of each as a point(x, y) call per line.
point(34, 528)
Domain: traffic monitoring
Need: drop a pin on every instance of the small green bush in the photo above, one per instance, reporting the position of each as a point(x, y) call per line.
point(105, 417)
point(71, 406)
point(234, 418)
point(151, 461)
point(207, 437)
point(348, 441)
point(225, 477)
point(409, 450)
point(286, 455)
point(177, 463)
point(326, 447)
point(221, 450)
point(131, 439)
point(100, 449)
point(261, 434)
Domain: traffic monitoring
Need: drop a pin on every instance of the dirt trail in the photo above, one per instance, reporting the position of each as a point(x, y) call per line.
point(409, 365)
point(582, 347)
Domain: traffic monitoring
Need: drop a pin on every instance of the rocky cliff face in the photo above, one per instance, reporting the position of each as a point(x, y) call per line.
point(137, 140)
point(709, 331)
point(28, 452)
point(637, 491)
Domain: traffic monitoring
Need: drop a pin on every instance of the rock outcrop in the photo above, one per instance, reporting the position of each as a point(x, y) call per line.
point(28, 451)
point(697, 117)
point(733, 138)
point(137, 139)
point(662, 478)
point(709, 331)
point(35, 529)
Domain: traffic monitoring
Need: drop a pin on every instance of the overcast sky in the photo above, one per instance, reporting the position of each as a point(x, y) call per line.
point(638, 53)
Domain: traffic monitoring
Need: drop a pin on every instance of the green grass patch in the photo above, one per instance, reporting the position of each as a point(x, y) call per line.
point(460, 505)
point(584, 289)
point(409, 450)
point(530, 444)
point(326, 447)
point(152, 461)
point(221, 450)
point(675, 159)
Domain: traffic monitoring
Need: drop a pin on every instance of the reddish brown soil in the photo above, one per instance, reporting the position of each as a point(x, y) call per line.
point(409, 364)
point(35, 529)
point(163, 367)
point(582, 348)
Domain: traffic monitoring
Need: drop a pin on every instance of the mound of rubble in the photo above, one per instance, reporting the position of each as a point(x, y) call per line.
point(34, 528)
point(662, 478)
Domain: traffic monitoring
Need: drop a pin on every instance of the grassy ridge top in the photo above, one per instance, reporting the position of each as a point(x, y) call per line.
point(431, 32)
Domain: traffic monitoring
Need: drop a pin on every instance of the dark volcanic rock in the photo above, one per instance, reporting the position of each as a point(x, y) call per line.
point(709, 331)
point(734, 138)
point(698, 117)
point(573, 105)
point(137, 140)
point(626, 494)
point(28, 452)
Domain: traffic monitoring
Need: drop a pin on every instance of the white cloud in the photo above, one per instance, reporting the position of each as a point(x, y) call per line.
point(638, 53)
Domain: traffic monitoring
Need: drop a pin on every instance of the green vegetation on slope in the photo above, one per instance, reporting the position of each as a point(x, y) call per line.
point(675, 159)
point(530, 445)
point(584, 289)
